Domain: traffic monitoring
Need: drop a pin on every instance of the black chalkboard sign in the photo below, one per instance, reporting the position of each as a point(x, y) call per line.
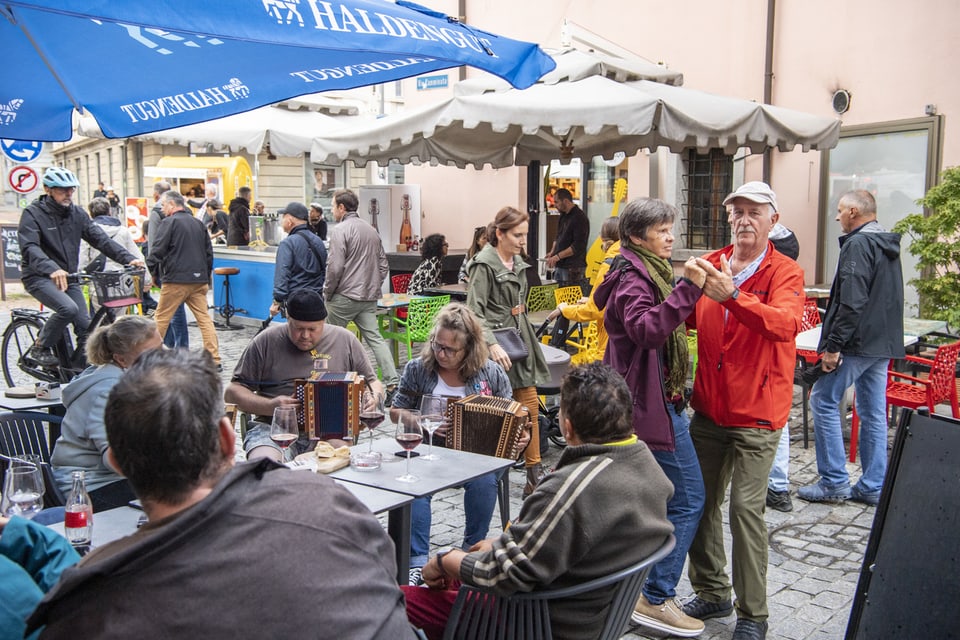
point(911, 557)
point(11, 252)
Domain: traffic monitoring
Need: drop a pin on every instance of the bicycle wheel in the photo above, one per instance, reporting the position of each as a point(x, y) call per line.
point(17, 340)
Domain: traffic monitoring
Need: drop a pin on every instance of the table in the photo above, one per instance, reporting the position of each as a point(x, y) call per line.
point(920, 327)
point(114, 524)
point(809, 340)
point(452, 470)
point(821, 290)
point(456, 291)
point(53, 407)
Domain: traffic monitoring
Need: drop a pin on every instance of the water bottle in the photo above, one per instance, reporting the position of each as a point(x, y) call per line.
point(78, 522)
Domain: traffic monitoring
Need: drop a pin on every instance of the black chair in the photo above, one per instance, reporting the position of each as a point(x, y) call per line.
point(24, 433)
point(481, 615)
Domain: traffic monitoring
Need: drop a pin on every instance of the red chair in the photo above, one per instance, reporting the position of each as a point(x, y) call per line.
point(399, 284)
point(938, 387)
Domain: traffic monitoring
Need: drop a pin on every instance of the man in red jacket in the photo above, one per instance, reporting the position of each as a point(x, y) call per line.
point(746, 324)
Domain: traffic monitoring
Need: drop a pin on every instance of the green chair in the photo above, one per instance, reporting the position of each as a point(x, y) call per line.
point(541, 298)
point(419, 322)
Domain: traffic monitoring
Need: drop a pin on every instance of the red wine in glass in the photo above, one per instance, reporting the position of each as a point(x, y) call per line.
point(372, 419)
point(283, 440)
point(409, 441)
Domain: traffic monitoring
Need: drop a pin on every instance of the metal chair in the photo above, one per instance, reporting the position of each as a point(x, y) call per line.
point(416, 327)
point(541, 298)
point(481, 615)
point(940, 386)
point(561, 328)
point(24, 433)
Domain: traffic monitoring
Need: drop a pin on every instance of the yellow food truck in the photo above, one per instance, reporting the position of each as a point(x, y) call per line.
point(190, 176)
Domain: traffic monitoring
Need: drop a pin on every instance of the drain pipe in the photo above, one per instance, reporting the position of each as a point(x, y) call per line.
point(768, 78)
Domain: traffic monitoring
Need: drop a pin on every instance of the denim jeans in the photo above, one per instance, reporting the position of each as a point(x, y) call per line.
point(869, 379)
point(684, 509)
point(779, 479)
point(177, 333)
point(479, 498)
point(67, 306)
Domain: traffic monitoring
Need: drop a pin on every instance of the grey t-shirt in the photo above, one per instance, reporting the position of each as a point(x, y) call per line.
point(271, 363)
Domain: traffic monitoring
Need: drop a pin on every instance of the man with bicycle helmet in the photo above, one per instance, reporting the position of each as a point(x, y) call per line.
point(51, 229)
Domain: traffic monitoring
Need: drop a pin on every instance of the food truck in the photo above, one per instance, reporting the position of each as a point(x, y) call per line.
point(190, 176)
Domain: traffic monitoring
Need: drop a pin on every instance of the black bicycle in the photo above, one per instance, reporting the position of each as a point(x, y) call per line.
point(115, 291)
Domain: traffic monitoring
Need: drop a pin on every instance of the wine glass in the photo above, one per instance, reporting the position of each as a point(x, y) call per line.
point(23, 489)
point(409, 435)
point(372, 413)
point(433, 412)
point(283, 429)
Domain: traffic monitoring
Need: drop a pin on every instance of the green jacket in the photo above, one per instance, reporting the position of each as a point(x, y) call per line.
point(492, 292)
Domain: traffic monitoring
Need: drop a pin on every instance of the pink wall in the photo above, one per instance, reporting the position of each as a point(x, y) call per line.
point(893, 57)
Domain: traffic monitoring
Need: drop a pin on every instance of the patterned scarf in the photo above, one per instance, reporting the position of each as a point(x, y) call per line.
point(676, 354)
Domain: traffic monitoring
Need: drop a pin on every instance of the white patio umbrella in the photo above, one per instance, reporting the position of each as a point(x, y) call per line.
point(589, 106)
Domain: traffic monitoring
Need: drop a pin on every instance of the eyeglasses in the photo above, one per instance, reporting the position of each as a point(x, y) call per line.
point(443, 350)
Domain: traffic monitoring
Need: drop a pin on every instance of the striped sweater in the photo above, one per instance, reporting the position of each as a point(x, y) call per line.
point(602, 509)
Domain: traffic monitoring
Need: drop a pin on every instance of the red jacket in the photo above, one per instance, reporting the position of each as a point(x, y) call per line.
point(745, 371)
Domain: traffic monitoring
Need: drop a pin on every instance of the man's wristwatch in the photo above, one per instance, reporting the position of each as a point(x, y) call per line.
point(440, 555)
point(735, 294)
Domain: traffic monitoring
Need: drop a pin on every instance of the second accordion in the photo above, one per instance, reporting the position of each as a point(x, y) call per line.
point(329, 406)
point(488, 425)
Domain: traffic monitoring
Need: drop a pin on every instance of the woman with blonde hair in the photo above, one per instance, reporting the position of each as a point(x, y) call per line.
point(453, 363)
point(82, 445)
point(496, 293)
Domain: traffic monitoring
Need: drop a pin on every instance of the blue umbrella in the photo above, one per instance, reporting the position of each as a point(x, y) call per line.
point(139, 67)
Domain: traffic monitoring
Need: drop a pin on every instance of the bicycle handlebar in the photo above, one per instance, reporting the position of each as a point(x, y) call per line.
point(82, 277)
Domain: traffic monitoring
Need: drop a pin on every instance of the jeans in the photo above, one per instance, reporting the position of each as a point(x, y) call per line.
point(177, 333)
point(67, 306)
point(869, 379)
point(479, 498)
point(779, 479)
point(683, 511)
point(341, 310)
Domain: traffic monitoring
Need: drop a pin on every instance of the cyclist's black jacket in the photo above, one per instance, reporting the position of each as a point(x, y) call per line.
point(50, 239)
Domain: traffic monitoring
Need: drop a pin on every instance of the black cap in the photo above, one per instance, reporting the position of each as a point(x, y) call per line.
point(306, 305)
point(297, 210)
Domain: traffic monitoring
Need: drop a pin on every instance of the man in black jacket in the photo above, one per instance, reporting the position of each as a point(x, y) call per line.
point(51, 228)
point(177, 333)
point(301, 257)
point(238, 232)
point(181, 259)
point(864, 323)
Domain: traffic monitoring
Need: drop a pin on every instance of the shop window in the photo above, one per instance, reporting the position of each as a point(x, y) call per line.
point(707, 179)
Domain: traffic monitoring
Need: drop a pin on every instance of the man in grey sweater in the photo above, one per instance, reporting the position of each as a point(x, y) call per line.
point(229, 551)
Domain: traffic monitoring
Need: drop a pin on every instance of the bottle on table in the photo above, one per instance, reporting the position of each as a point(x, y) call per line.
point(78, 520)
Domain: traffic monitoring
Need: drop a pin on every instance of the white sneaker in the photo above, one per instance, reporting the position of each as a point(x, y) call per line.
point(667, 617)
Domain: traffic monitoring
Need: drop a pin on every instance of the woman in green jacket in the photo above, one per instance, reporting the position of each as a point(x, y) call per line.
point(496, 292)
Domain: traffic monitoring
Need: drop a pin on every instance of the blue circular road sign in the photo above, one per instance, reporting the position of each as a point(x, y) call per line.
point(21, 150)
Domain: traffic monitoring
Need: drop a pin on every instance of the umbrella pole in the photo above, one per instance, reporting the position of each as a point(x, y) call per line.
point(533, 210)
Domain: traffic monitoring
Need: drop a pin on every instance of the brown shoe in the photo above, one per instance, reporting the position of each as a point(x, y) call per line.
point(535, 474)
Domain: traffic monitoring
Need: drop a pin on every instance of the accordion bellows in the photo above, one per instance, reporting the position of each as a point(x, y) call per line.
point(488, 425)
point(329, 407)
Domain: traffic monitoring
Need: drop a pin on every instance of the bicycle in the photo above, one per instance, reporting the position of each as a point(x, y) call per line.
point(115, 290)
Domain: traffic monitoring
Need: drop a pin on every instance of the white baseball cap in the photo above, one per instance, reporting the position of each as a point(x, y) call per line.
point(759, 192)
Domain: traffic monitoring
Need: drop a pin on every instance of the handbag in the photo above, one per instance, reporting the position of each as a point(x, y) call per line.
point(510, 340)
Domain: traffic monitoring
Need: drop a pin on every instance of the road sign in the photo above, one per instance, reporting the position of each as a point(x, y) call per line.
point(23, 179)
point(21, 150)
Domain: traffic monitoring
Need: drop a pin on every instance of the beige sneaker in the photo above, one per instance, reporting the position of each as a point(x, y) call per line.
point(667, 617)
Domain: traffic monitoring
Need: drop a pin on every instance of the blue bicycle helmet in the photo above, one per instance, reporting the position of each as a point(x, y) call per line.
point(59, 177)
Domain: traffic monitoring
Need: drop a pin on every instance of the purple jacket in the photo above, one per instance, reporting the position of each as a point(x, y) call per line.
point(638, 327)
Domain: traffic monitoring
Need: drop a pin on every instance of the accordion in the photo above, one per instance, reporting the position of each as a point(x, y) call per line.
point(329, 406)
point(488, 425)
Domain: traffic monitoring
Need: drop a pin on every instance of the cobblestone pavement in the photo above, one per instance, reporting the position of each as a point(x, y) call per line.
point(815, 551)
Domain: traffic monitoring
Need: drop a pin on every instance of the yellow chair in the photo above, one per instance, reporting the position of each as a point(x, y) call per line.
point(419, 322)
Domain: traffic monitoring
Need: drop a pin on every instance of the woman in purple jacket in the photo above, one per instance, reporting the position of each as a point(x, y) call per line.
point(644, 317)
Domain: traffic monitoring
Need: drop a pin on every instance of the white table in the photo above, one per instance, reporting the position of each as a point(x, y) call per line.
point(809, 340)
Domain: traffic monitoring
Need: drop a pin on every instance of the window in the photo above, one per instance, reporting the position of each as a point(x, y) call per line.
point(395, 173)
point(707, 180)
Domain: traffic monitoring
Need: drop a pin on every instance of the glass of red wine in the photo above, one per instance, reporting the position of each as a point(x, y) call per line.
point(372, 413)
point(409, 435)
point(283, 430)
